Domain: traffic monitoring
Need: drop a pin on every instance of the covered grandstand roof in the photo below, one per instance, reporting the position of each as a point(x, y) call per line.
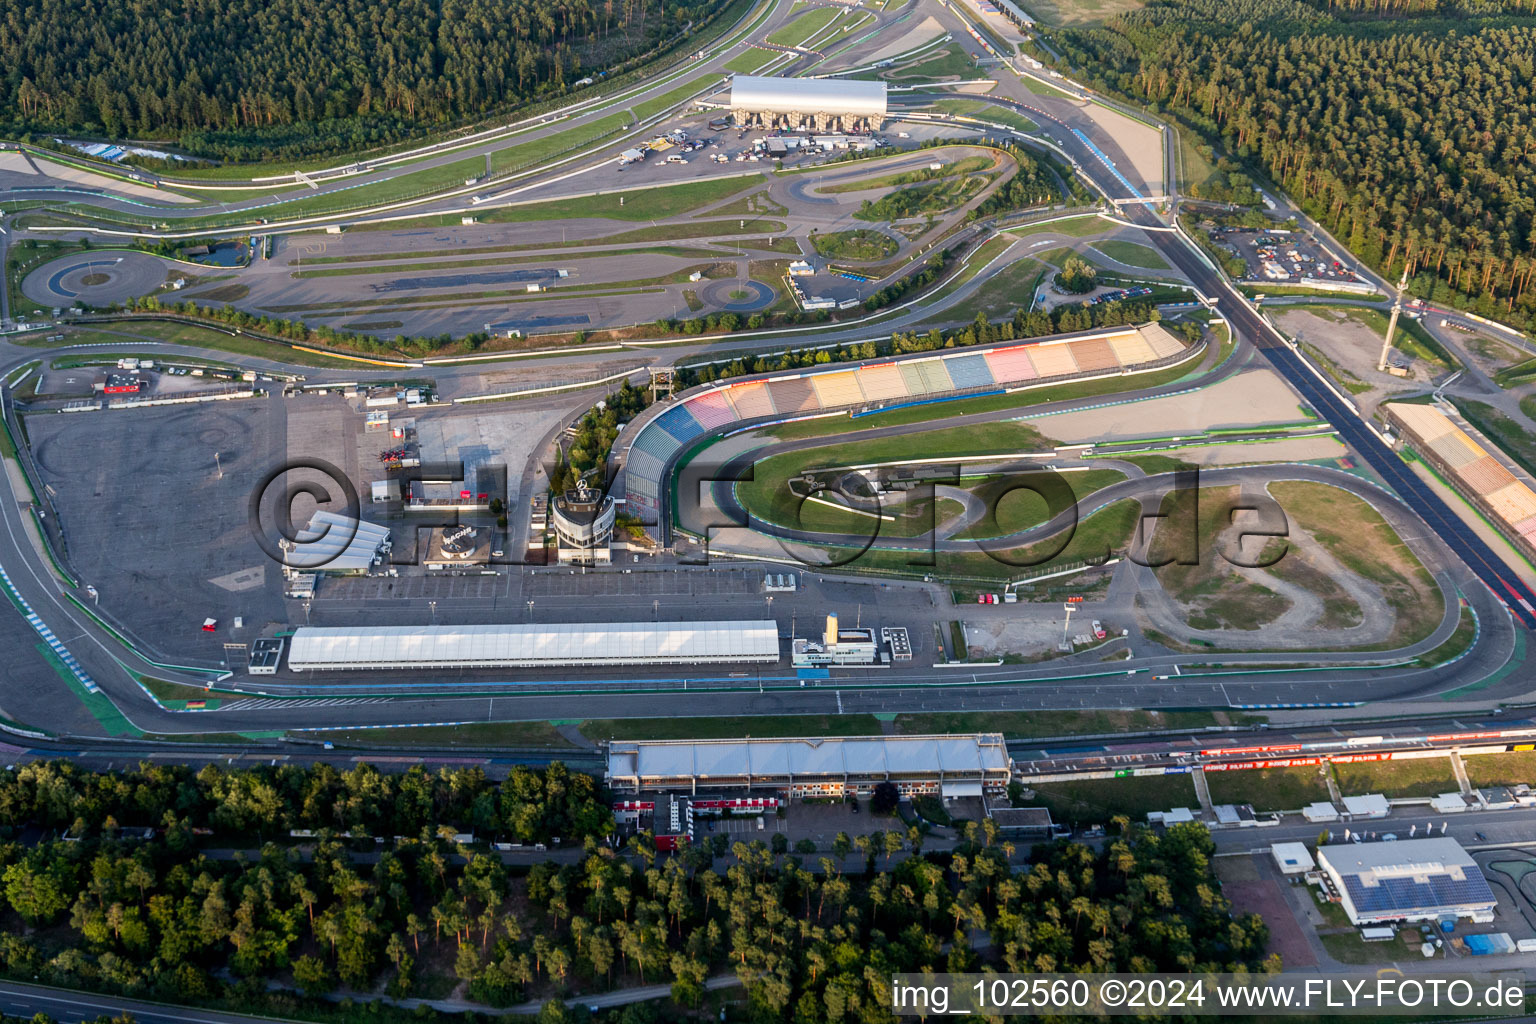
point(676, 762)
point(528, 646)
point(764, 93)
point(336, 543)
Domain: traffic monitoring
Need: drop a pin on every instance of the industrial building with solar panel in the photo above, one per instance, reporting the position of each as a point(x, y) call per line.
point(1407, 880)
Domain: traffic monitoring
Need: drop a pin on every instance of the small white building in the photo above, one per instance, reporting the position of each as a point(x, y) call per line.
point(801, 268)
point(1177, 816)
point(1372, 805)
point(1292, 858)
point(1320, 811)
point(1448, 803)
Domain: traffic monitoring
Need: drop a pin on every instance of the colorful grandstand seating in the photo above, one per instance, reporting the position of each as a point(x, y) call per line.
point(679, 422)
point(969, 371)
point(935, 375)
point(793, 394)
point(1456, 449)
point(836, 390)
point(670, 432)
point(882, 382)
point(1514, 502)
point(712, 409)
point(752, 401)
point(1426, 422)
point(913, 378)
point(1163, 343)
point(1011, 364)
point(1093, 354)
point(1485, 476)
point(1131, 348)
point(1052, 360)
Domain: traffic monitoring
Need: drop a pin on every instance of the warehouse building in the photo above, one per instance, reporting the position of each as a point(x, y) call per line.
point(533, 646)
point(819, 104)
point(1407, 880)
point(337, 544)
point(811, 767)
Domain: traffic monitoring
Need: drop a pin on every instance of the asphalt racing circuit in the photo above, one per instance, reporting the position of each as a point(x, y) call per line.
point(77, 671)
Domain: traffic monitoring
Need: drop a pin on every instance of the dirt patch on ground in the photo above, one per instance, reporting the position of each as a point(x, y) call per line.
point(1304, 589)
point(994, 638)
point(1490, 354)
point(1250, 399)
point(1353, 349)
point(1297, 449)
point(1366, 545)
point(1266, 897)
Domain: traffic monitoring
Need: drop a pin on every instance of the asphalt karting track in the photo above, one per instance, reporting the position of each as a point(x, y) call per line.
point(408, 284)
point(99, 280)
point(719, 294)
point(553, 320)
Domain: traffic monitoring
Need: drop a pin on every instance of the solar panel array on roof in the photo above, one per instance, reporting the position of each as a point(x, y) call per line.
point(1414, 896)
point(1413, 878)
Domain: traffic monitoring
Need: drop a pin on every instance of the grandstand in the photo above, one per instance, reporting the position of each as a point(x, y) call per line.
point(666, 431)
point(1480, 477)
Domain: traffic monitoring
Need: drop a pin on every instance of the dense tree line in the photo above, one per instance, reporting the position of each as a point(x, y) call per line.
point(299, 331)
point(594, 436)
point(1411, 140)
point(1031, 185)
point(261, 803)
point(810, 938)
point(248, 78)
